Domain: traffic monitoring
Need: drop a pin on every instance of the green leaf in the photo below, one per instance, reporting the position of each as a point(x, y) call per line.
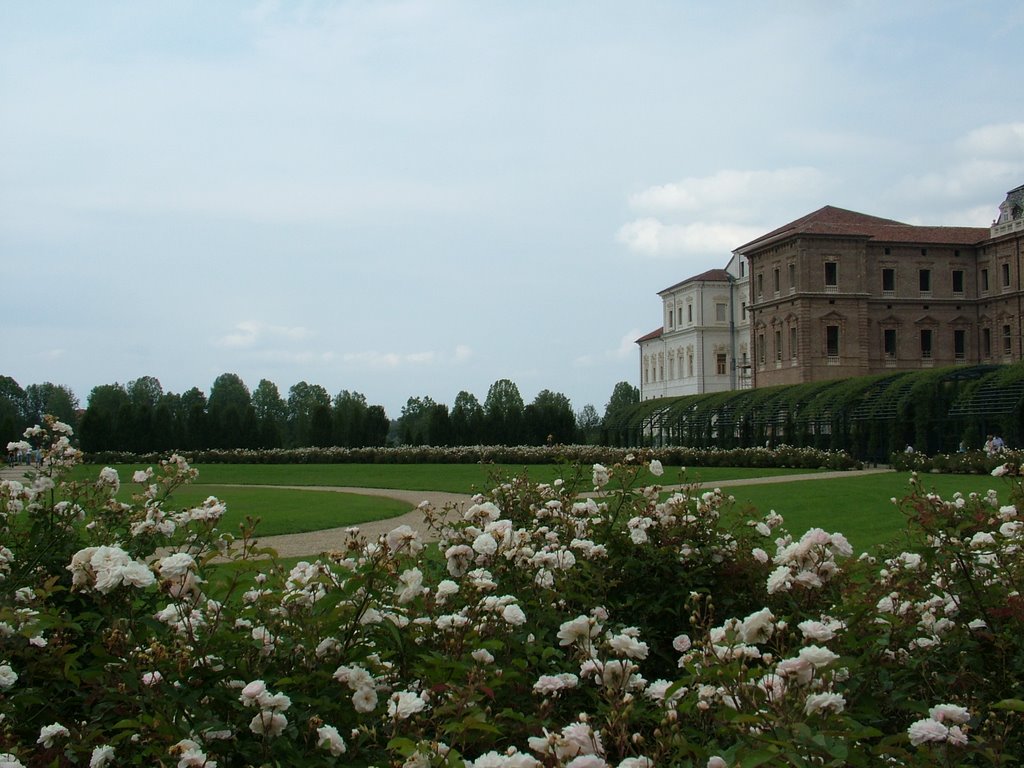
point(761, 757)
point(405, 747)
point(1014, 705)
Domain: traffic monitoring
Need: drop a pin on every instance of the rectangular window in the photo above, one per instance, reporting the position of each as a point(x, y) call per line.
point(680, 320)
point(775, 279)
point(888, 282)
point(832, 341)
point(1005, 267)
point(889, 343)
point(743, 311)
point(792, 343)
point(760, 284)
point(924, 277)
point(720, 312)
point(986, 343)
point(720, 363)
point(689, 313)
point(670, 316)
point(792, 277)
point(960, 344)
point(958, 282)
point(926, 343)
point(778, 346)
point(831, 275)
point(689, 364)
point(1007, 342)
point(984, 281)
point(760, 348)
point(743, 268)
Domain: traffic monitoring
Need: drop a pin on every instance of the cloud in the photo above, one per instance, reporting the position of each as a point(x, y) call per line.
point(967, 188)
point(624, 351)
point(652, 237)
point(998, 140)
point(251, 333)
point(728, 193)
point(712, 215)
point(374, 359)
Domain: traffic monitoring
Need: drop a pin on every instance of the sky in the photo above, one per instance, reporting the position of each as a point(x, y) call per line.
point(409, 199)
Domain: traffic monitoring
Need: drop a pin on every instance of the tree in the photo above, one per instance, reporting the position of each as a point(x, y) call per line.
point(229, 399)
point(623, 396)
point(193, 410)
point(303, 399)
point(549, 419)
point(588, 425)
point(271, 413)
point(13, 404)
point(503, 413)
point(168, 423)
point(414, 425)
point(377, 426)
point(99, 429)
point(350, 411)
point(144, 396)
point(467, 419)
point(439, 431)
point(321, 425)
point(54, 399)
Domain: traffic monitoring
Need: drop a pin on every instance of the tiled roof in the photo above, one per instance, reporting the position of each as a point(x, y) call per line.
point(711, 276)
point(652, 335)
point(841, 222)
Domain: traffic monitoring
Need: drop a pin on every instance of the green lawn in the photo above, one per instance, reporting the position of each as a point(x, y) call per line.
point(454, 478)
point(289, 511)
point(858, 507)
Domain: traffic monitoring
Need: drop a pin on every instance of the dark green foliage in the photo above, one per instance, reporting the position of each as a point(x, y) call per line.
point(870, 416)
point(503, 413)
point(549, 419)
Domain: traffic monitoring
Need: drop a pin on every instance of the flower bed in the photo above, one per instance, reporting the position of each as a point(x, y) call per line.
point(965, 463)
point(781, 456)
point(546, 629)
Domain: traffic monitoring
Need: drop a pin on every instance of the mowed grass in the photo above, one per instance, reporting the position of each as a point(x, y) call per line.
point(290, 511)
point(452, 478)
point(859, 507)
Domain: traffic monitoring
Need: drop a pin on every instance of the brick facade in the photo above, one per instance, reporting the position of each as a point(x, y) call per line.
point(873, 295)
point(838, 293)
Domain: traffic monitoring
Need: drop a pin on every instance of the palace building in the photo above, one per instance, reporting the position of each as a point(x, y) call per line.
point(838, 293)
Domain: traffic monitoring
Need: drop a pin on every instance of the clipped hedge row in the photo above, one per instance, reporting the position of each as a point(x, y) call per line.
point(781, 456)
point(966, 463)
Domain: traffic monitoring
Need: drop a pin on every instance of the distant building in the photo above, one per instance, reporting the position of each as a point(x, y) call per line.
point(838, 293)
point(704, 344)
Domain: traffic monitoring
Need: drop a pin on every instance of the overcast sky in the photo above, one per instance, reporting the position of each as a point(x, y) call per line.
point(415, 198)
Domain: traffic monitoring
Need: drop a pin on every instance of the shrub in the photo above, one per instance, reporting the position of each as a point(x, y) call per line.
point(545, 628)
point(782, 456)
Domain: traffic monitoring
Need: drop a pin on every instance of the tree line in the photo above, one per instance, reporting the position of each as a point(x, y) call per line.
point(141, 417)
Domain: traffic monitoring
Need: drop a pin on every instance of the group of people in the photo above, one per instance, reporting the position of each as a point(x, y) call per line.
point(994, 445)
point(18, 457)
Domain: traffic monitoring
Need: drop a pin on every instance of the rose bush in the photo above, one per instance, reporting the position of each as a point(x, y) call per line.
point(546, 627)
point(781, 456)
